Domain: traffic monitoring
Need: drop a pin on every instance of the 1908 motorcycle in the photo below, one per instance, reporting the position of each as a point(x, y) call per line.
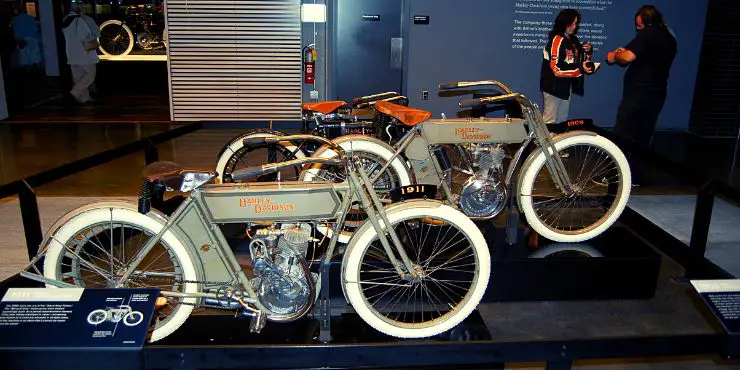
point(571, 187)
point(415, 269)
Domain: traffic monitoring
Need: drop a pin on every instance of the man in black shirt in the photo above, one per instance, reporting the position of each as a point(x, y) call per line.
point(649, 56)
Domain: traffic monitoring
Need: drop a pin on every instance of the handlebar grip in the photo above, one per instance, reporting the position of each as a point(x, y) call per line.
point(252, 141)
point(467, 103)
point(448, 86)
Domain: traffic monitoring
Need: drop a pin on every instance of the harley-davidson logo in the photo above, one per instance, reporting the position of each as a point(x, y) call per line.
point(471, 133)
point(264, 205)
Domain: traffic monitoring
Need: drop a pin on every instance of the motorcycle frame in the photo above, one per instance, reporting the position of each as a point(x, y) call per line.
point(194, 225)
point(496, 131)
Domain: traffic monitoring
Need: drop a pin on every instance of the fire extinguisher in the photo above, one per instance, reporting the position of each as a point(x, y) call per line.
point(309, 64)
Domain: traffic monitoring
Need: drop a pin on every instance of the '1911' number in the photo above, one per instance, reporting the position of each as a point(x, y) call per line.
point(412, 189)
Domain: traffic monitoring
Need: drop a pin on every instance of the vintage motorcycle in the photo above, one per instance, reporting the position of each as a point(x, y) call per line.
point(571, 187)
point(415, 269)
point(122, 313)
point(328, 119)
point(143, 26)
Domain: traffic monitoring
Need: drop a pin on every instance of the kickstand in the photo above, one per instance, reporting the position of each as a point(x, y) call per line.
point(512, 225)
point(324, 306)
point(257, 322)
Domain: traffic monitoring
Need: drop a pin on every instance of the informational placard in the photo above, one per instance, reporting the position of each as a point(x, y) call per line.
point(421, 19)
point(723, 298)
point(75, 317)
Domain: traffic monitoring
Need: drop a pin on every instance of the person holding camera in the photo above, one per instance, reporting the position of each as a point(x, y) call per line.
point(81, 35)
point(564, 65)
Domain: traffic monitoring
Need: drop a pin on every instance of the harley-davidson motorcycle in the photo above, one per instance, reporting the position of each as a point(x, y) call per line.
point(328, 119)
point(571, 187)
point(414, 269)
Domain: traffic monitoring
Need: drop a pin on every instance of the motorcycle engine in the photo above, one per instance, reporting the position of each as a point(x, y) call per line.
point(484, 193)
point(281, 277)
point(144, 40)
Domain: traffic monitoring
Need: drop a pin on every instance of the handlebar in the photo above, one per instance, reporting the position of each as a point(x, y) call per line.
point(269, 168)
point(256, 141)
point(466, 103)
point(374, 97)
point(463, 84)
point(372, 103)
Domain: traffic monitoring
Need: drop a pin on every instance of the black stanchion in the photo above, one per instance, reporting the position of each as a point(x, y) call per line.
point(151, 153)
point(700, 230)
point(31, 219)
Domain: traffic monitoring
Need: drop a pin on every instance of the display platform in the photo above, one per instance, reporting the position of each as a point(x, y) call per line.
point(673, 321)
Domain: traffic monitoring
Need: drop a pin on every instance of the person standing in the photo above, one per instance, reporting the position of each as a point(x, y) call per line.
point(563, 67)
point(649, 57)
point(27, 35)
point(80, 34)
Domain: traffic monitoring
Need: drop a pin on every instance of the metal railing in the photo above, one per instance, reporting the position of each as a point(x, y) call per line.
point(24, 188)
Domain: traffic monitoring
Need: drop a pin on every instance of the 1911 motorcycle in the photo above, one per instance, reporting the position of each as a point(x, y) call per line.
point(415, 269)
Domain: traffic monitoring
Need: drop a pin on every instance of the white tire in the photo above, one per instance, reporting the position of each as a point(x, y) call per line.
point(97, 317)
point(133, 318)
point(126, 29)
point(237, 144)
point(83, 221)
point(529, 174)
point(363, 238)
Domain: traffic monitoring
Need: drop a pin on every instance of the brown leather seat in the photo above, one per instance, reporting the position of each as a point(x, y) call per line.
point(324, 107)
point(409, 116)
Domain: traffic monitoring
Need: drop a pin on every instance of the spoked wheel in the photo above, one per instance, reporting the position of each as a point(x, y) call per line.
point(96, 317)
point(92, 249)
point(236, 156)
point(115, 38)
point(451, 266)
point(601, 182)
point(133, 318)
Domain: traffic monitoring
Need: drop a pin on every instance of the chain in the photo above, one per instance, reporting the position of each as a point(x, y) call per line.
point(207, 283)
point(203, 305)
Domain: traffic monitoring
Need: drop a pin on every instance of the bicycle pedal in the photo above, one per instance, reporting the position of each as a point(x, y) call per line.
point(257, 322)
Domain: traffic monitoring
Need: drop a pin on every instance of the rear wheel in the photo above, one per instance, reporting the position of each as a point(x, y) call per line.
point(92, 249)
point(236, 156)
point(115, 38)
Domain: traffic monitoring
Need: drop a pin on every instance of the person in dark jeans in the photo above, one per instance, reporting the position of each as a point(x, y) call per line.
point(649, 56)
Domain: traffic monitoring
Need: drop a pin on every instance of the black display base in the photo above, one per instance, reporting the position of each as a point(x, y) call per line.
point(625, 268)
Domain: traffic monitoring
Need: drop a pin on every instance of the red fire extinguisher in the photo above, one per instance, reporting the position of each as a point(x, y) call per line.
point(309, 64)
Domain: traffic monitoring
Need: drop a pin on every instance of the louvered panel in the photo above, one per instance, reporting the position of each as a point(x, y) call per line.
point(236, 60)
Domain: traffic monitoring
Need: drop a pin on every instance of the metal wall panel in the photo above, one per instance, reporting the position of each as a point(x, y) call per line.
point(234, 60)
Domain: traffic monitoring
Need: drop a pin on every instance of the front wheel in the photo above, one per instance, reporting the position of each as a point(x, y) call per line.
point(451, 266)
point(601, 182)
point(133, 318)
